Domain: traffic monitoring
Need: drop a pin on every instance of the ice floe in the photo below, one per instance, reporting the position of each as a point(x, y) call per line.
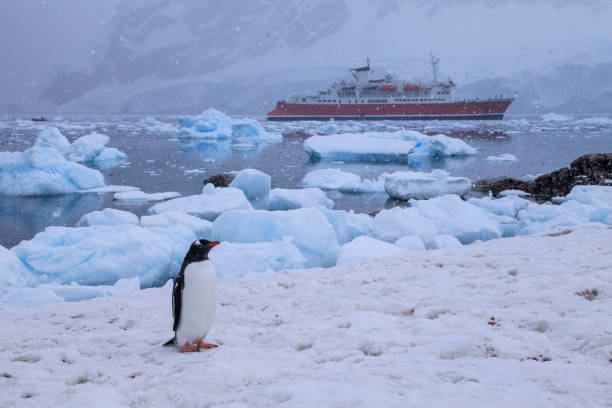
point(503, 157)
point(597, 121)
point(336, 179)
point(107, 216)
point(209, 205)
point(291, 199)
point(405, 185)
point(254, 183)
point(555, 117)
point(213, 124)
point(142, 196)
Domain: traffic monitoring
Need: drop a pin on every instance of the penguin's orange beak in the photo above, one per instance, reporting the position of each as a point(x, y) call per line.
point(212, 244)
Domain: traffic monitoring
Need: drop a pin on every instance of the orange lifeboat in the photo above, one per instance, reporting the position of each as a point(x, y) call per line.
point(388, 87)
point(411, 87)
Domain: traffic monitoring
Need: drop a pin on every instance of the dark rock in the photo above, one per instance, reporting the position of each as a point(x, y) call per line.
point(220, 180)
point(590, 169)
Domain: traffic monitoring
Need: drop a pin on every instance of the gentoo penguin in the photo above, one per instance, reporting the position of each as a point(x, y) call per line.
point(194, 298)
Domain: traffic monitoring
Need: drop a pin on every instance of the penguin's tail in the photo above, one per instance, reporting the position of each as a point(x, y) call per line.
point(170, 342)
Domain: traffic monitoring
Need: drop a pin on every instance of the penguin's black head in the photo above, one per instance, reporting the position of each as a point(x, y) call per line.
point(198, 251)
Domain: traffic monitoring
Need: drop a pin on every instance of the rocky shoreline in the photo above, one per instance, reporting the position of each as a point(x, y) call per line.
point(589, 169)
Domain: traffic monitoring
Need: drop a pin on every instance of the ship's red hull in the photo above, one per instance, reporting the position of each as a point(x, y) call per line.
point(491, 109)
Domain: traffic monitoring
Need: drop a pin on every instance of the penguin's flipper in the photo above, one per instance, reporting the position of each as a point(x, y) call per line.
point(170, 342)
point(177, 299)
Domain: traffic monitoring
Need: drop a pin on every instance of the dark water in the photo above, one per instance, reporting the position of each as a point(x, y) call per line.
point(158, 161)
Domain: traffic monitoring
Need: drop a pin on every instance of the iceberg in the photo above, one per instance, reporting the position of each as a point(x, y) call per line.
point(108, 216)
point(12, 271)
point(97, 255)
point(364, 248)
point(508, 206)
point(87, 148)
point(308, 227)
point(210, 124)
point(348, 225)
point(358, 147)
point(252, 129)
point(411, 243)
point(445, 242)
point(201, 228)
point(44, 171)
point(142, 196)
point(208, 205)
point(254, 183)
point(109, 157)
point(404, 185)
point(234, 260)
point(52, 137)
point(392, 224)
point(336, 179)
point(453, 216)
point(288, 199)
point(437, 145)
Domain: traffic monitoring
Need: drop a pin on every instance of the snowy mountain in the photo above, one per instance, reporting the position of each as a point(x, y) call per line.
point(186, 55)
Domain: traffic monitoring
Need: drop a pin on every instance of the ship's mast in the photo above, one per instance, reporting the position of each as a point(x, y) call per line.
point(434, 67)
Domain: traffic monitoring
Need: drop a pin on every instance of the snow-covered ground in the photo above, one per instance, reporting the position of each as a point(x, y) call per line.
point(497, 323)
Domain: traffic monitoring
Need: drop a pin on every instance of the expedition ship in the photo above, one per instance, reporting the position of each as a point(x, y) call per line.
point(389, 98)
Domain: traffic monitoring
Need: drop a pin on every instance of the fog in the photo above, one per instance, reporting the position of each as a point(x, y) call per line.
point(185, 55)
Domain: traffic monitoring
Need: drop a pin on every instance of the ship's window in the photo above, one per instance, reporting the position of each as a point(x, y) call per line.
point(334, 100)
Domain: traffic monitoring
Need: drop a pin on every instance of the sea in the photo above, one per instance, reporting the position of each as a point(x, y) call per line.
point(158, 161)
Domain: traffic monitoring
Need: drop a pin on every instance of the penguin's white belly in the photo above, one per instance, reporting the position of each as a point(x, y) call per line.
point(199, 302)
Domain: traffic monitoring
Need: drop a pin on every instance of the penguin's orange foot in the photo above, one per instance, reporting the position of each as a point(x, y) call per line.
point(189, 348)
point(203, 345)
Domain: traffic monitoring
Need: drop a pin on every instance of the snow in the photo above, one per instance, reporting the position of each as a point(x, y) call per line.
point(555, 117)
point(503, 157)
point(408, 330)
point(404, 185)
point(506, 193)
point(235, 260)
point(254, 183)
point(363, 248)
point(308, 227)
point(209, 205)
point(142, 196)
point(291, 199)
point(336, 179)
point(107, 216)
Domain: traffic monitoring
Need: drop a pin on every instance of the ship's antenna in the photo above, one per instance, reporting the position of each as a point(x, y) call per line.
point(434, 66)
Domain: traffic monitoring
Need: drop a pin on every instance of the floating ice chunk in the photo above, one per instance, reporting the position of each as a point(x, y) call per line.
point(595, 122)
point(86, 148)
point(508, 206)
point(234, 260)
point(12, 271)
point(411, 242)
point(44, 171)
point(142, 196)
point(536, 218)
point(453, 216)
point(109, 157)
point(153, 124)
point(445, 242)
point(52, 137)
point(347, 224)
point(208, 205)
point(502, 157)
point(597, 196)
point(252, 129)
point(201, 228)
point(555, 117)
point(254, 183)
point(210, 124)
point(287, 199)
point(404, 185)
point(108, 216)
point(390, 225)
point(507, 193)
point(311, 231)
point(364, 248)
point(358, 147)
point(436, 146)
point(97, 255)
point(336, 179)
point(111, 189)
point(329, 128)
